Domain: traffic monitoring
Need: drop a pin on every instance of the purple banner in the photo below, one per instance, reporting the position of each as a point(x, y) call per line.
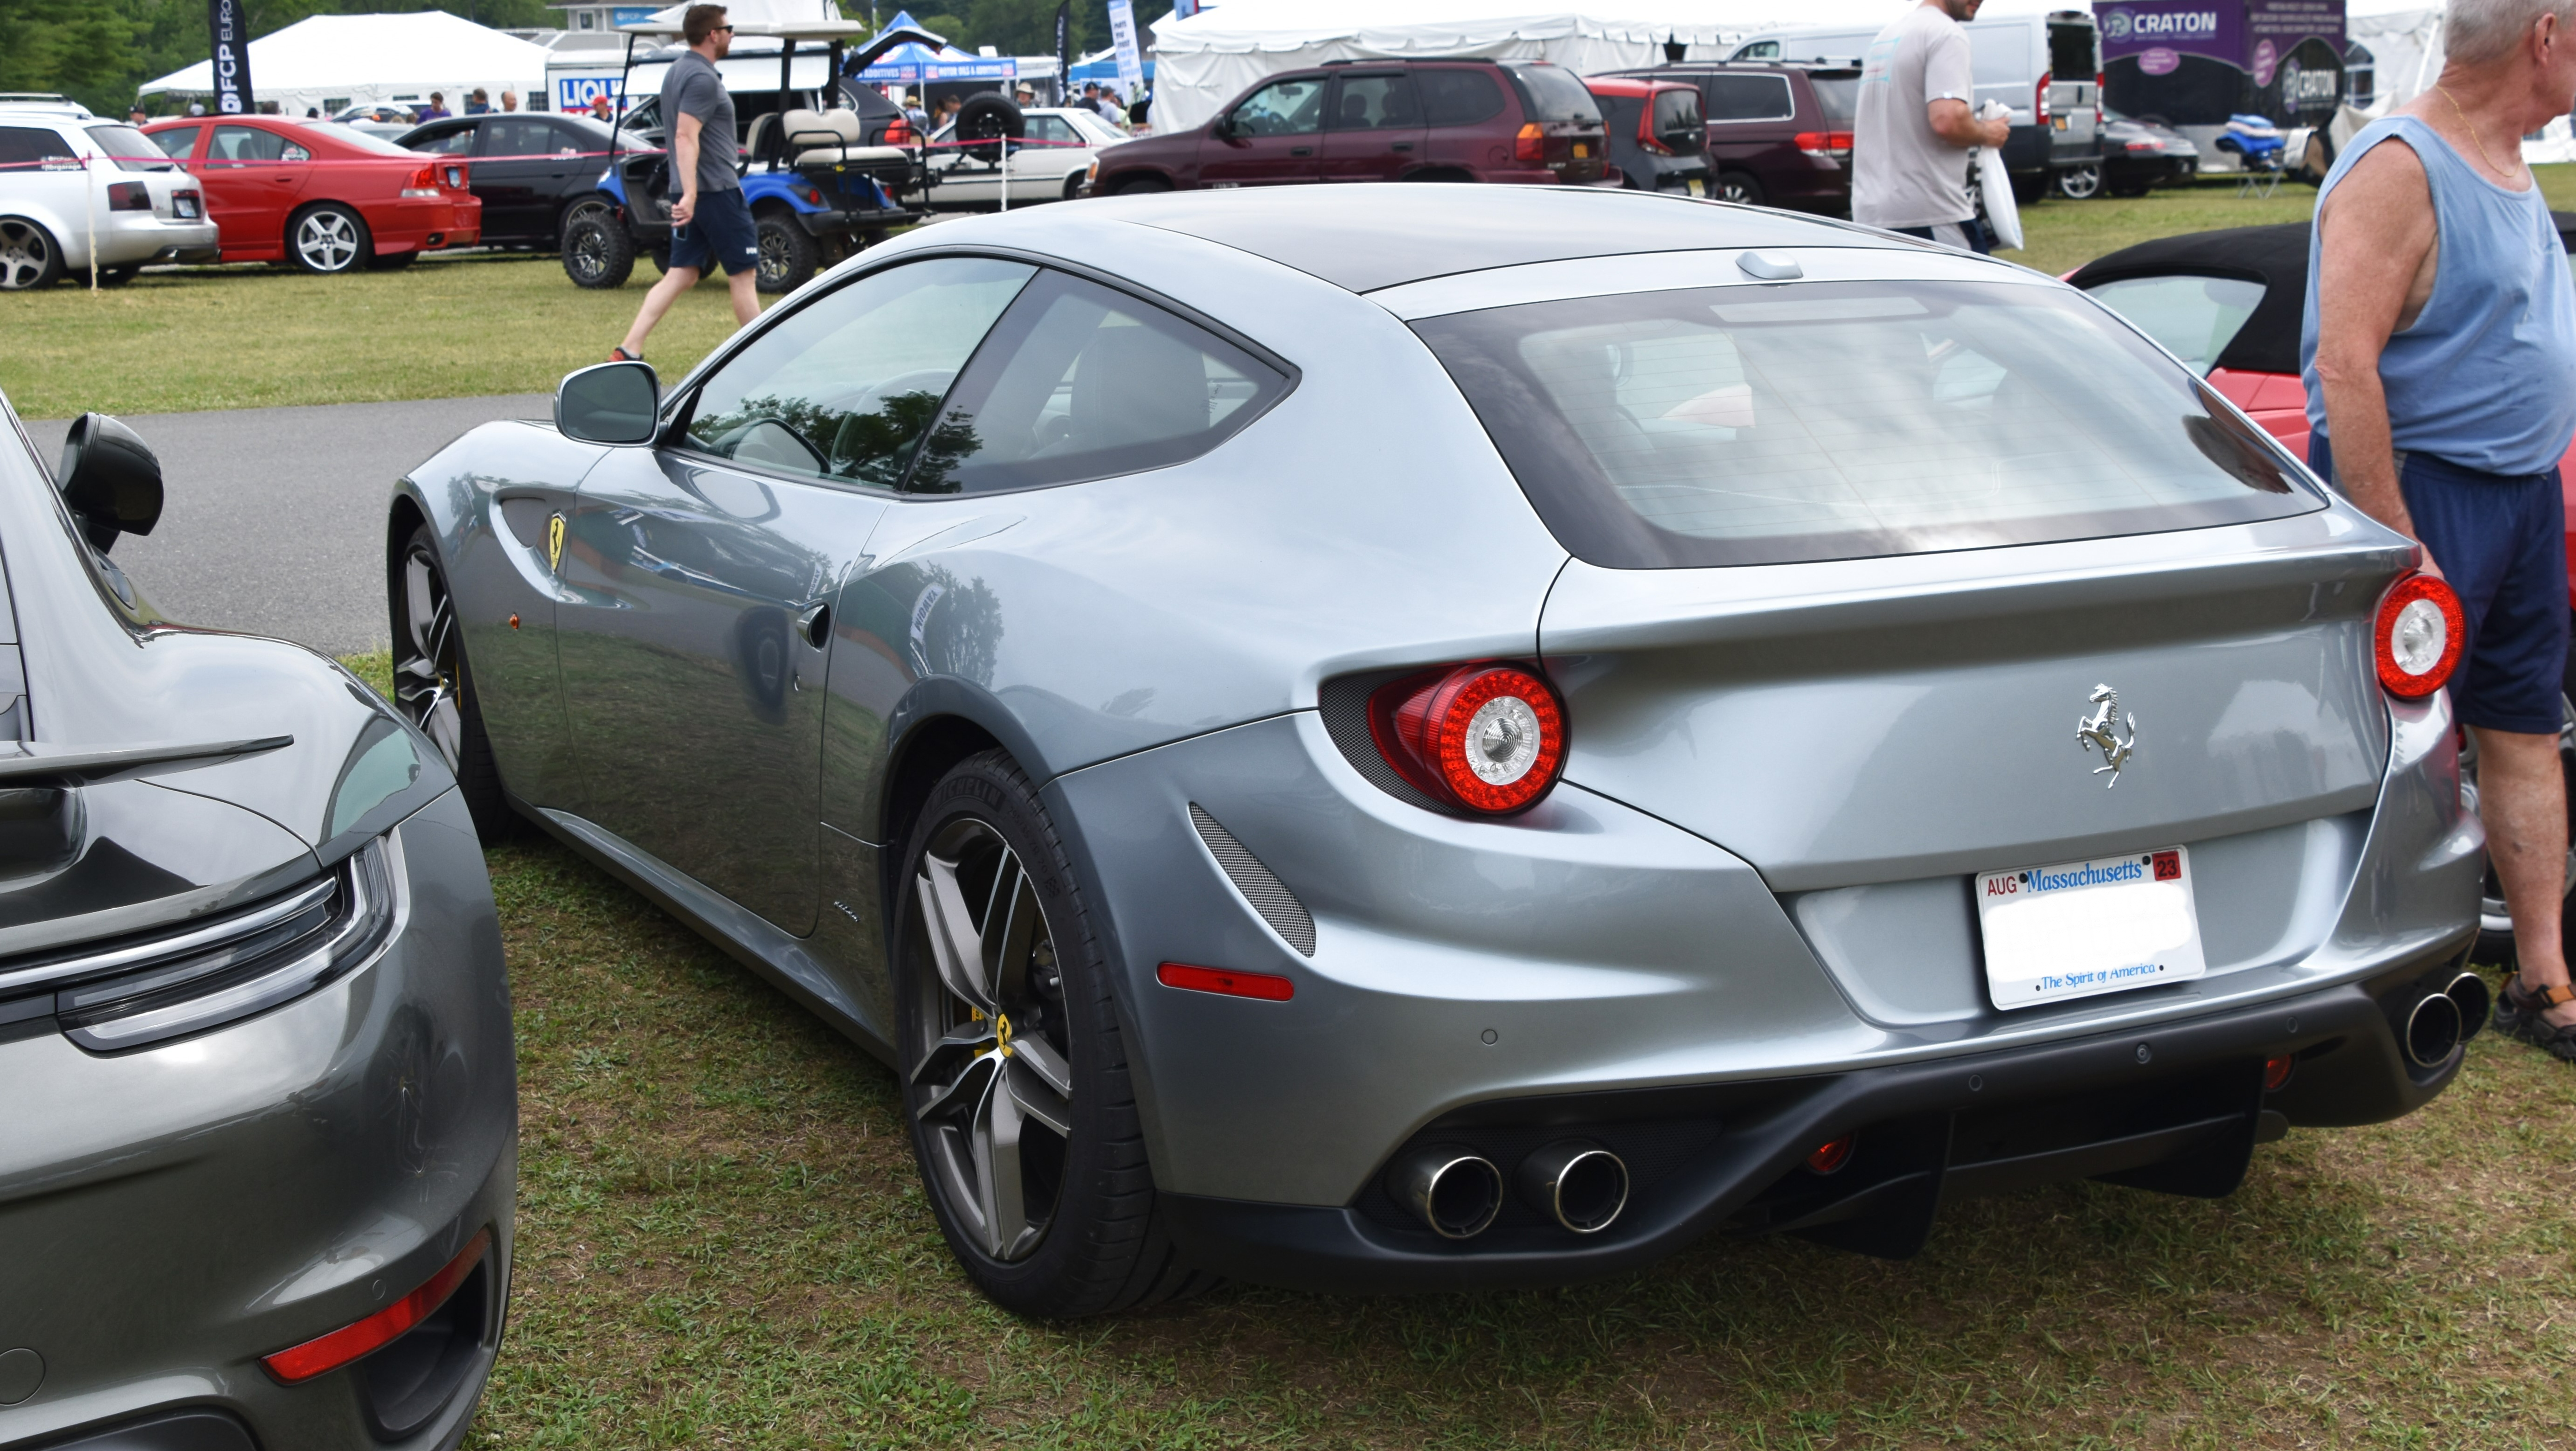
point(2252, 35)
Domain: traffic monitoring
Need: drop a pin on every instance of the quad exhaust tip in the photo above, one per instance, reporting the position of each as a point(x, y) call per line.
point(2433, 1029)
point(2475, 1000)
point(1579, 1184)
point(1454, 1191)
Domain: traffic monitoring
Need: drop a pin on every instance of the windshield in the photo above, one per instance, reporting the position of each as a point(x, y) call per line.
point(130, 149)
point(1736, 425)
point(1555, 95)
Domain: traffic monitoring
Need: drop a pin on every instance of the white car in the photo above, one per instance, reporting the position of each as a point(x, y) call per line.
point(377, 119)
point(1047, 164)
point(68, 178)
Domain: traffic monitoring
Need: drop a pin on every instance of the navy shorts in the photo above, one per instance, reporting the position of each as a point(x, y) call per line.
point(1971, 235)
point(2502, 544)
point(721, 231)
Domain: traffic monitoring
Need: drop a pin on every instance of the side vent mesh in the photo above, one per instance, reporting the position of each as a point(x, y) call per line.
point(1259, 885)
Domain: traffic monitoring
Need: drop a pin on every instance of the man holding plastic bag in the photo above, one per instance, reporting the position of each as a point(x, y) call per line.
point(1917, 124)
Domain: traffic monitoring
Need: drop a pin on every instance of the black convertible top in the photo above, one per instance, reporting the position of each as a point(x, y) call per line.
point(2275, 256)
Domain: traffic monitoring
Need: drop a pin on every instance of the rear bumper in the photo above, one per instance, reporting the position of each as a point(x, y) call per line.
point(414, 226)
point(129, 238)
point(2179, 1107)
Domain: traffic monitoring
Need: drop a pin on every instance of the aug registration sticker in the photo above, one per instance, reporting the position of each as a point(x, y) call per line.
point(2081, 928)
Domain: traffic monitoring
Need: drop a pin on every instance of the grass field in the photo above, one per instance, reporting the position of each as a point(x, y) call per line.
point(722, 1244)
point(257, 336)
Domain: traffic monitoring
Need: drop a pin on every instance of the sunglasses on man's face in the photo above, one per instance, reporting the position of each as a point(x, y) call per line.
point(721, 30)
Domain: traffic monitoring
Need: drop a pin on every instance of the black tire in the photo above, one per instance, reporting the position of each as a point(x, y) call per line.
point(2080, 183)
point(1140, 186)
point(598, 251)
point(2129, 193)
point(30, 258)
point(989, 116)
point(119, 276)
point(2029, 187)
point(2495, 920)
point(788, 253)
point(1738, 187)
point(434, 689)
point(391, 261)
point(329, 239)
point(1073, 186)
point(1083, 1235)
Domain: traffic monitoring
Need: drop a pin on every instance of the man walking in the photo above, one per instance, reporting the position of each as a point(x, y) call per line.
point(1915, 127)
point(710, 223)
point(2447, 424)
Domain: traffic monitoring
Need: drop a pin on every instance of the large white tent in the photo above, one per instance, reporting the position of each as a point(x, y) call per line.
point(346, 59)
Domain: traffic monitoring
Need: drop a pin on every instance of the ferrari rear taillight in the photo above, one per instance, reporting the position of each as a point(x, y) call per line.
point(2419, 635)
point(1826, 145)
point(128, 196)
point(1487, 738)
point(1530, 147)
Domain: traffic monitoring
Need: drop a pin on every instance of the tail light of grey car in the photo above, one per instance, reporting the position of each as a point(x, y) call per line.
point(2416, 642)
point(128, 196)
point(1486, 738)
point(134, 993)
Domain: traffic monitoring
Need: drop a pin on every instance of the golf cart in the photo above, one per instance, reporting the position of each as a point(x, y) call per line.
point(817, 191)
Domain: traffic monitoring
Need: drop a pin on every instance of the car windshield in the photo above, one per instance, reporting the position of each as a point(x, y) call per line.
point(1734, 425)
point(130, 149)
point(2194, 317)
point(1555, 95)
point(367, 141)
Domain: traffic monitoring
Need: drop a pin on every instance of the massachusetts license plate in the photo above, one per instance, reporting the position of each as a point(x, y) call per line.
point(1698, 187)
point(2080, 928)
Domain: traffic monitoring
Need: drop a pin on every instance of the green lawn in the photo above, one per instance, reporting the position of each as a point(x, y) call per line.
point(722, 1243)
point(253, 336)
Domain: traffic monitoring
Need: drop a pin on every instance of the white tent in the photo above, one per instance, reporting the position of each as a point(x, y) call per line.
point(347, 59)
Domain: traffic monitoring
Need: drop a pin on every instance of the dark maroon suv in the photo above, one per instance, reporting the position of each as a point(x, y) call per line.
point(1466, 120)
point(1779, 133)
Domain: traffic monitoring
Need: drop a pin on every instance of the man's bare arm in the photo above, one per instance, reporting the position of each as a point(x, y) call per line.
point(2374, 271)
point(1953, 122)
point(684, 156)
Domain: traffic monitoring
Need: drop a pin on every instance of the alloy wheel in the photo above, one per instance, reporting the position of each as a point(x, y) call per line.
point(2079, 183)
point(1733, 189)
point(26, 255)
point(993, 1091)
point(426, 671)
point(585, 250)
point(326, 241)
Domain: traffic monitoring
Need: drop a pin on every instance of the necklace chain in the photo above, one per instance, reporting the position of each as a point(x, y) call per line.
point(2474, 138)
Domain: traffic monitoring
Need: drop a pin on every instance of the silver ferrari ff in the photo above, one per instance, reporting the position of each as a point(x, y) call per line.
point(1446, 737)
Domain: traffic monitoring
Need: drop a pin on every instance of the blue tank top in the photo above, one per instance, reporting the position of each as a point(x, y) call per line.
point(2486, 377)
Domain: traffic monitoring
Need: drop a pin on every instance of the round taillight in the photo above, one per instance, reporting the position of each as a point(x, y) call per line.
point(1487, 738)
point(2419, 637)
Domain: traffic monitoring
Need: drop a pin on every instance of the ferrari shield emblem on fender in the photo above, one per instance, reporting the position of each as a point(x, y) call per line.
point(2102, 728)
point(554, 541)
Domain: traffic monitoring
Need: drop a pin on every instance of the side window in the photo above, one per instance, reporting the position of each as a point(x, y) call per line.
point(178, 141)
point(1749, 98)
point(1080, 382)
point(453, 142)
point(250, 146)
point(1375, 103)
point(1759, 50)
point(1282, 108)
point(2000, 55)
point(32, 146)
point(847, 387)
point(1457, 97)
point(517, 138)
point(1051, 129)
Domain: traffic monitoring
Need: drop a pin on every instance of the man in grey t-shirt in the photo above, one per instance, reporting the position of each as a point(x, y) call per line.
point(710, 222)
point(1915, 126)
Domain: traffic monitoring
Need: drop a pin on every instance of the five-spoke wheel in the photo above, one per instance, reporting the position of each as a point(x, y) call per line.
point(329, 238)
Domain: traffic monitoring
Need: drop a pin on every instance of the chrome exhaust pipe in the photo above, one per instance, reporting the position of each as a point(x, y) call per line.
point(2475, 1000)
point(2432, 1030)
point(1455, 1191)
point(1580, 1185)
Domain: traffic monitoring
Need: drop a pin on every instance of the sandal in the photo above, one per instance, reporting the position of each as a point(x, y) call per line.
point(618, 354)
point(2520, 1013)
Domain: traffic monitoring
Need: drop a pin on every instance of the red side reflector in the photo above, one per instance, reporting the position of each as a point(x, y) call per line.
point(1829, 1157)
point(1260, 985)
point(2276, 1071)
point(349, 1342)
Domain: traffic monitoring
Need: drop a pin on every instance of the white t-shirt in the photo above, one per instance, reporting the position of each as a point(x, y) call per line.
point(1903, 173)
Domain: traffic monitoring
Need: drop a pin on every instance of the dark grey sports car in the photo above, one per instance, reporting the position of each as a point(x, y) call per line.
point(258, 1113)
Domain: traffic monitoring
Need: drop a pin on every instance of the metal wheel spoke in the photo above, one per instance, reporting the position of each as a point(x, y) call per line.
point(975, 1036)
point(1036, 1098)
point(1015, 906)
point(955, 945)
point(996, 1137)
point(966, 1085)
point(1045, 1062)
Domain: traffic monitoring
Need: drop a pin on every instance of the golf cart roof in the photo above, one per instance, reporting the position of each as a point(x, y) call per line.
point(785, 19)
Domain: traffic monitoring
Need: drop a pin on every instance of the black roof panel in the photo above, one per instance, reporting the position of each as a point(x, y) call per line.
point(1367, 237)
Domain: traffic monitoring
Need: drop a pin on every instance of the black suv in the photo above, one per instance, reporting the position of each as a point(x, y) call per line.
point(1779, 133)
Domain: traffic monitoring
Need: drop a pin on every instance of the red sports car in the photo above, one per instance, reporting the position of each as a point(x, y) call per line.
point(323, 196)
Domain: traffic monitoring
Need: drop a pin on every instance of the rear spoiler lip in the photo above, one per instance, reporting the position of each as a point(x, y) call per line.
point(53, 766)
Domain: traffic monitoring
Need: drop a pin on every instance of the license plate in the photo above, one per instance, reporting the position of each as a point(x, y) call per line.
point(1581, 151)
point(184, 207)
point(2080, 928)
point(1698, 187)
point(2058, 121)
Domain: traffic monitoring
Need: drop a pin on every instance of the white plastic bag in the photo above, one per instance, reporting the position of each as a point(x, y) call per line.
point(1994, 186)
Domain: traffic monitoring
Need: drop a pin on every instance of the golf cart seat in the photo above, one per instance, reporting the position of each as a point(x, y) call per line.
point(820, 138)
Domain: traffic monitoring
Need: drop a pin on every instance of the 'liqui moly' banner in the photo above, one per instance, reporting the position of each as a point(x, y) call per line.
point(231, 31)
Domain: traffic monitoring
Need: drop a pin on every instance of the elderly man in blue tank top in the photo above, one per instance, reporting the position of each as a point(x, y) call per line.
point(2440, 357)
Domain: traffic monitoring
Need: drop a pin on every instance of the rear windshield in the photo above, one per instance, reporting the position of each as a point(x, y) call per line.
point(367, 141)
point(1740, 425)
point(1677, 111)
point(1555, 95)
point(1838, 96)
point(2072, 55)
point(130, 149)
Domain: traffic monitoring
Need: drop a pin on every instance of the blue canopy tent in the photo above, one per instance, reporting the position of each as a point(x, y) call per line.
point(1104, 69)
point(913, 63)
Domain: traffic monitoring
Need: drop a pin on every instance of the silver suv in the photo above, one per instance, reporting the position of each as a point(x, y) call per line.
point(71, 182)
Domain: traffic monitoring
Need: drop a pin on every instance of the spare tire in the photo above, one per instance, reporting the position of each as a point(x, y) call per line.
point(989, 116)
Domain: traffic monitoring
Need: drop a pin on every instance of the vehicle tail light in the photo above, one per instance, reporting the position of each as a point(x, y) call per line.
point(1486, 738)
point(1825, 145)
point(2276, 1072)
point(423, 185)
point(1829, 1157)
point(2150, 144)
point(1530, 147)
point(1268, 987)
point(2039, 103)
point(128, 196)
point(350, 1342)
point(2099, 81)
point(2419, 636)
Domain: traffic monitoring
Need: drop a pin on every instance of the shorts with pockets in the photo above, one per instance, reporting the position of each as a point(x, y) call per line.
point(721, 230)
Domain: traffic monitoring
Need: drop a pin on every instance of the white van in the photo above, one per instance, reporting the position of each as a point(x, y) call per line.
point(2047, 68)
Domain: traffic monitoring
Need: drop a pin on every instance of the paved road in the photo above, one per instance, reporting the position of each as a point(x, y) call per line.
point(274, 519)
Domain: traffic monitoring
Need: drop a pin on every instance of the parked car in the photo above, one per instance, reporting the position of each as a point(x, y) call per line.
point(255, 1033)
point(377, 119)
point(324, 197)
point(1261, 866)
point(2228, 304)
point(2138, 155)
point(1656, 138)
point(529, 170)
point(139, 207)
point(1057, 146)
point(1779, 132)
point(1509, 121)
point(2047, 68)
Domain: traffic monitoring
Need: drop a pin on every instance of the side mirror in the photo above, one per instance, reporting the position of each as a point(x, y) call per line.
point(1222, 128)
point(110, 479)
point(609, 403)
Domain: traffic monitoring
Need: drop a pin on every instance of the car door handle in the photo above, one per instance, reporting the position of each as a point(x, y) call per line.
point(815, 624)
point(1402, 146)
point(1301, 150)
